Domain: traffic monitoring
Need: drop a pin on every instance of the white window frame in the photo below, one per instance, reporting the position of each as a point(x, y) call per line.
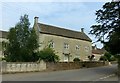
point(77, 47)
point(52, 44)
point(87, 48)
point(66, 46)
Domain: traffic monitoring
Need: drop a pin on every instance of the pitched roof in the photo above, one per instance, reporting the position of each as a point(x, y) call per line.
point(96, 50)
point(3, 34)
point(53, 30)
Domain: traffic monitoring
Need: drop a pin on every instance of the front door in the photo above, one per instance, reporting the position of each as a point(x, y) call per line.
point(66, 58)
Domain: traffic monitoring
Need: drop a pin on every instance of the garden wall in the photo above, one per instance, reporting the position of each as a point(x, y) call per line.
point(63, 66)
point(89, 64)
point(74, 65)
point(13, 67)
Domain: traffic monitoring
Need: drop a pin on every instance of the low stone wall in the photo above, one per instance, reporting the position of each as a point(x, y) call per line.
point(63, 66)
point(114, 62)
point(74, 65)
point(89, 64)
point(11, 67)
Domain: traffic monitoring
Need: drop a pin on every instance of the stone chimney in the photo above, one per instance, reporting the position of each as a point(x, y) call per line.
point(36, 20)
point(36, 27)
point(82, 30)
point(95, 47)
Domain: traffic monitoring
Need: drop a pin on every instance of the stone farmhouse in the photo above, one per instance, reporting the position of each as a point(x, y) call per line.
point(68, 44)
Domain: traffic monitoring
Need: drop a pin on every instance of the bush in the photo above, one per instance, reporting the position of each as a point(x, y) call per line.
point(103, 58)
point(76, 59)
point(113, 58)
point(91, 57)
point(48, 55)
point(109, 56)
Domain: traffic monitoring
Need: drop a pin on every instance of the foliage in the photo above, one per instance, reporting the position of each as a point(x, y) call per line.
point(103, 58)
point(22, 42)
point(48, 55)
point(91, 57)
point(113, 45)
point(109, 56)
point(108, 19)
point(113, 58)
point(76, 59)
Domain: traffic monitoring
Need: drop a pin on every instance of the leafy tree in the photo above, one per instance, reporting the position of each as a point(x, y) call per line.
point(22, 42)
point(48, 55)
point(108, 19)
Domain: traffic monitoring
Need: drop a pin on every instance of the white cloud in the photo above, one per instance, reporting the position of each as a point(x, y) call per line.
point(66, 14)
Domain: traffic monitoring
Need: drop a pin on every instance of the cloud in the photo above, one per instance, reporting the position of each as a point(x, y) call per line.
point(70, 15)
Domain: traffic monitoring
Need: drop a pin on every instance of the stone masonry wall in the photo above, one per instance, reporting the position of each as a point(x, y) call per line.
point(13, 67)
point(73, 65)
point(9, 67)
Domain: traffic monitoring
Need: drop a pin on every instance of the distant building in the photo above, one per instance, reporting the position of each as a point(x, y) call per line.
point(68, 44)
point(97, 52)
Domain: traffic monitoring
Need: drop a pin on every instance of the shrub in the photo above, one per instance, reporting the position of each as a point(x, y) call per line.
point(76, 59)
point(113, 58)
point(48, 55)
point(103, 58)
point(109, 56)
point(91, 57)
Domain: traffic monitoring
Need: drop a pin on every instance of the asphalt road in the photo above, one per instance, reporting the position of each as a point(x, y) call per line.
point(105, 73)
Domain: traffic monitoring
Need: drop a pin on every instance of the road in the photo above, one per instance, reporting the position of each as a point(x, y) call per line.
point(105, 73)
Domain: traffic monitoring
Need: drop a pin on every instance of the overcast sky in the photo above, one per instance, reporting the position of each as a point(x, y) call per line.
point(70, 15)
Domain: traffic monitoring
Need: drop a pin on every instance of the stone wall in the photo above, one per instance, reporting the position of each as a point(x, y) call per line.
point(13, 67)
point(89, 64)
point(9, 67)
point(62, 66)
point(74, 65)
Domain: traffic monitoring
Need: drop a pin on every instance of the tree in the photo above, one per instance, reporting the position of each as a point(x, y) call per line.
point(108, 19)
point(22, 42)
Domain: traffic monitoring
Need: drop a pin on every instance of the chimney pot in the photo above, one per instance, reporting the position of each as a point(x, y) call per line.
point(36, 19)
point(82, 30)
